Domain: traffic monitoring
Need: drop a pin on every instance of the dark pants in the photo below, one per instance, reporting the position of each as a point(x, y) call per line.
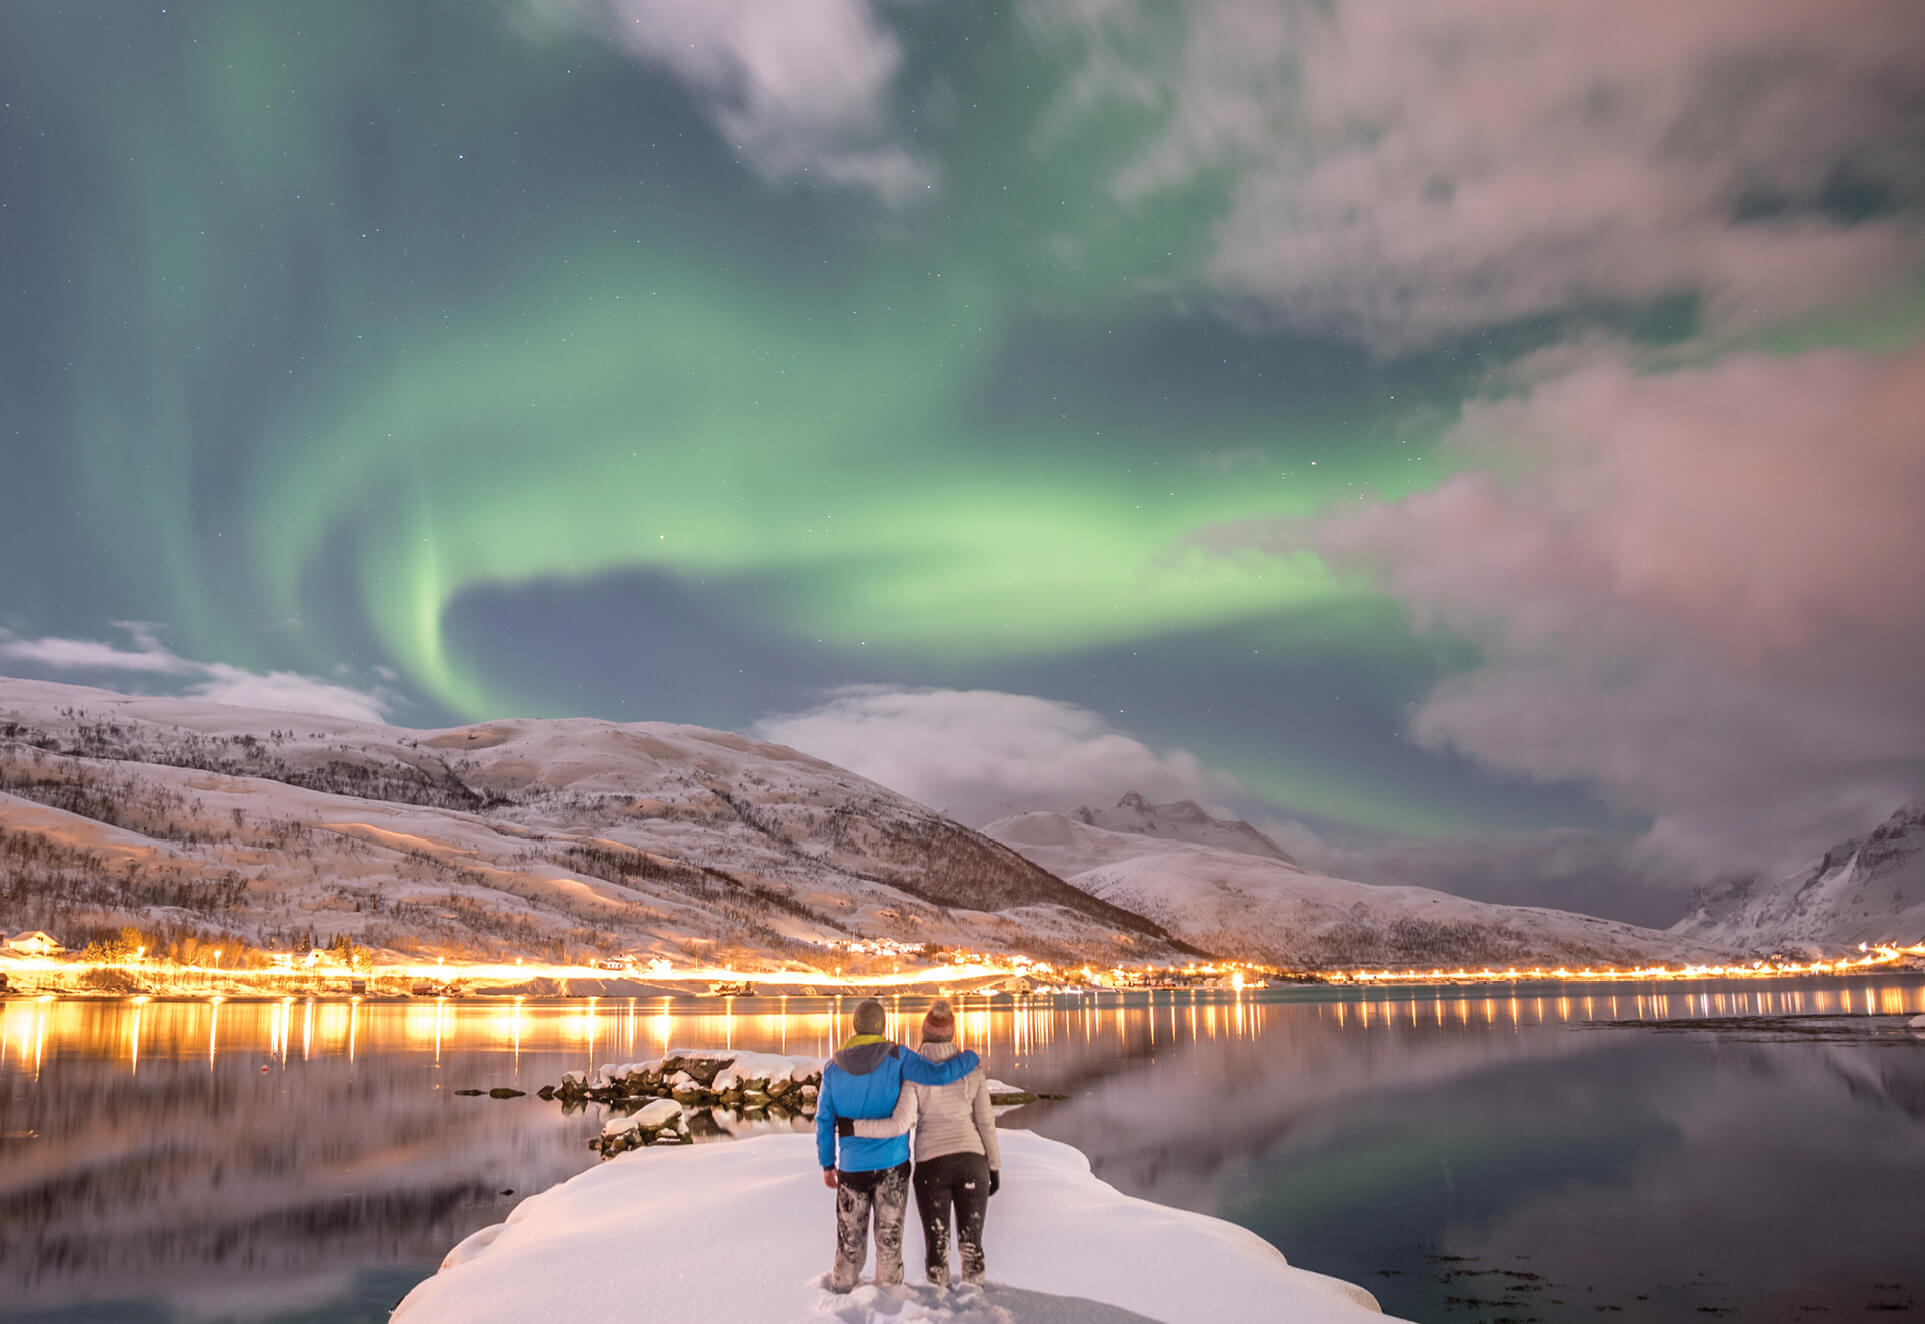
point(885, 1194)
point(959, 1182)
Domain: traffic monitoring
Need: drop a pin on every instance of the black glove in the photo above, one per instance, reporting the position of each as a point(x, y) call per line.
point(846, 1127)
point(995, 1180)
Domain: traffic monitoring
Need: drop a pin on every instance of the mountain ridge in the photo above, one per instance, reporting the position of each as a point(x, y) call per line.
point(1180, 820)
point(551, 834)
point(1268, 908)
point(1864, 889)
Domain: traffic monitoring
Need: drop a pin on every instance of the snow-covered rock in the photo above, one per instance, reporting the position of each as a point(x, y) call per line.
point(658, 1113)
point(747, 1233)
point(1863, 890)
point(621, 1126)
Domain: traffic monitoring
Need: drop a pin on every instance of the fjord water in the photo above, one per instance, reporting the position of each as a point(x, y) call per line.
point(1667, 1152)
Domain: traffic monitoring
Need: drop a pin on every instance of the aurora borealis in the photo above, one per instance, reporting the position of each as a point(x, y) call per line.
point(620, 358)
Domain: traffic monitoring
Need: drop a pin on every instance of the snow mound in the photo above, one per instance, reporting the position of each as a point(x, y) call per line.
point(749, 1229)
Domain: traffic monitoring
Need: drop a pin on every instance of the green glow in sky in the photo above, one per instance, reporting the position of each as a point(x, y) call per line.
point(335, 318)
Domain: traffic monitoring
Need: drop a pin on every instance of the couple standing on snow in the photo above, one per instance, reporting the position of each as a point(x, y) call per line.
point(874, 1093)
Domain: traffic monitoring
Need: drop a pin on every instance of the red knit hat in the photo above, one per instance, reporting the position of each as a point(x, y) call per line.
point(939, 1023)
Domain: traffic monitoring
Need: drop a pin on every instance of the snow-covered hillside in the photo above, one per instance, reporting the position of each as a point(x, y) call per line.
point(1265, 908)
point(1183, 820)
point(549, 838)
point(1867, 890)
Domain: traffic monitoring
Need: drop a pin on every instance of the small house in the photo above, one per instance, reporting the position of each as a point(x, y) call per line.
point(35, 942)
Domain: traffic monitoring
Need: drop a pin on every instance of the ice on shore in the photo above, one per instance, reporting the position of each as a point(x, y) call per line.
point(745, 1231)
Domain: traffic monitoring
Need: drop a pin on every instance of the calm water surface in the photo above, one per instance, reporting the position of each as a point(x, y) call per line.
point(1748, 1151)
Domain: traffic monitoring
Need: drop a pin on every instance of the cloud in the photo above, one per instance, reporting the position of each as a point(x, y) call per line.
point(1593, 873)
point(802, 88)
point(213, 682)
point(1399, 174)
point(1698, 592)
point(977, 755)
point(91, 654)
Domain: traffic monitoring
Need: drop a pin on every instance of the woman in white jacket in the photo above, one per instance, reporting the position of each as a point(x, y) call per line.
point(958, 1163)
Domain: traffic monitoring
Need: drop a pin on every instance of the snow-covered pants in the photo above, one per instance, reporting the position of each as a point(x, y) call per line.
point(959, 1182)
point(885, 1194)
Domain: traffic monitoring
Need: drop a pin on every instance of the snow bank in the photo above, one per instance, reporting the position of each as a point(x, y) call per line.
point(746, 1231)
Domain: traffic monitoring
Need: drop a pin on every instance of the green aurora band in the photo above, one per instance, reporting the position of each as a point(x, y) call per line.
point(626, 397)
point(401, 303)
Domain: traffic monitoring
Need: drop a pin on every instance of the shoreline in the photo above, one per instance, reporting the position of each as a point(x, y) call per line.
point(300, 988)
point(65, 976)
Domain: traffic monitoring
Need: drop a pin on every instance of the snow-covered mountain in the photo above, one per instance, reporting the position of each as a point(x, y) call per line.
point(1184, 820)
point(553, 838)
point(1865, 890)
point(1266, 907)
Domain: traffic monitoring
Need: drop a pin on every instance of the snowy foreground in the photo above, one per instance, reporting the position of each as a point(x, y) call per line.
point(745, 1231)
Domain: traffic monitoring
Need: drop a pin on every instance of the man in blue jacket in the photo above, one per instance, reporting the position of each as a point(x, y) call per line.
point(872, 1176)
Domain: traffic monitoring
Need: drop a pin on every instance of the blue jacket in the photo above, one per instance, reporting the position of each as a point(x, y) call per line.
point(863, 1080)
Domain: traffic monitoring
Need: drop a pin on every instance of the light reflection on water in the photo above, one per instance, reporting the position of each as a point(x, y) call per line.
point(263, 1159)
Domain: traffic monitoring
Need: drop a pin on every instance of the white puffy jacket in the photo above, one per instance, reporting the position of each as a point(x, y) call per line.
point(947, 1119)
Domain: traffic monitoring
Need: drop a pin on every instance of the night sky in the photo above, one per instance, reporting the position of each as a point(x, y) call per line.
point(1481, 442)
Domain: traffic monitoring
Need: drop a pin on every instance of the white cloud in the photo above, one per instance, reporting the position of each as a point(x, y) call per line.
point(291, 692)
point(91, 654)
point(214, 682)
point(1399, 172)
point(803, 88)
point(1698, 592)
point(977, 755)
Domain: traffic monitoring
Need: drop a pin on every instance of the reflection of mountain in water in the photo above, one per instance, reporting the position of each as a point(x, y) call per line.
point(154, 1182)
point(1549, 1172)
point(1180, 1121)
point(1358, 1135)
point(1767, 1178)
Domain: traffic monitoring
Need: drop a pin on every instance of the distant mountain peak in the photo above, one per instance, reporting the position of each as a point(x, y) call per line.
point(1180, 820)
point(1226, 895)
point(1869, 888)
